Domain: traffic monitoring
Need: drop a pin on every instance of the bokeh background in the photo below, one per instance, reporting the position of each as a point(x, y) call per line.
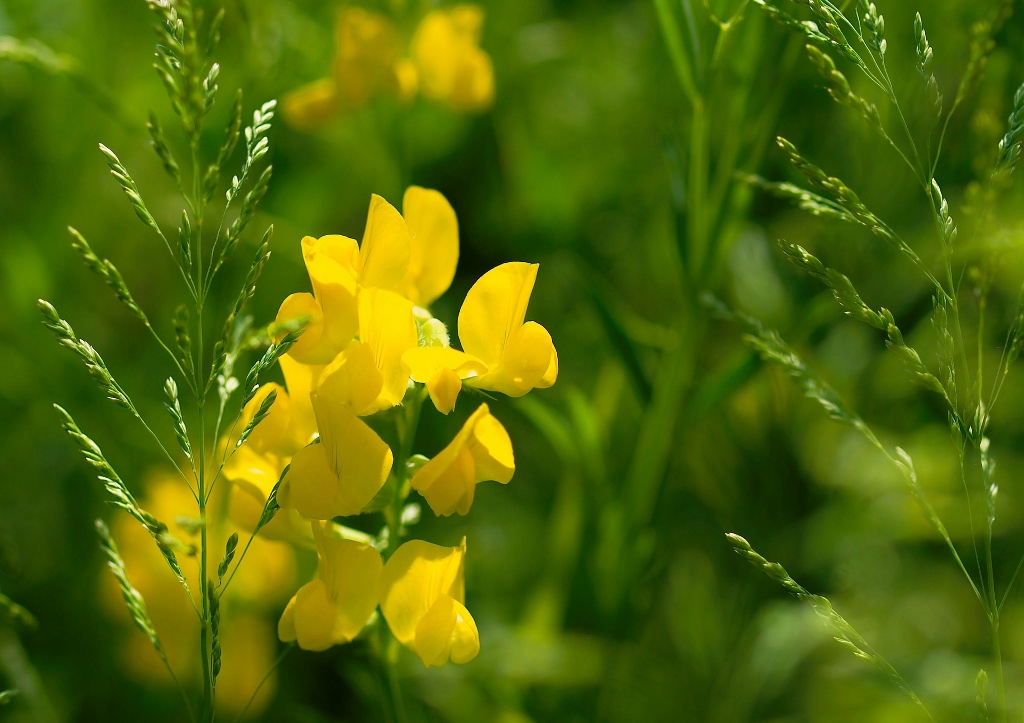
point(601, 579)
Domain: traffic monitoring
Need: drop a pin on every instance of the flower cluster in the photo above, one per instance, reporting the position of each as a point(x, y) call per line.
point(369, 345)
point(443, 62)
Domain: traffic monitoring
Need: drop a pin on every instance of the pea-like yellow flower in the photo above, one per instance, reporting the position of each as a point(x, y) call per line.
point(502, 352)
point(333, 607)
point(365, 64)
point(414, 256)
point(339, 475)
point(451, 66)
point(255, 467)
point(338, 267)
point(480, 451)
point(422, 597)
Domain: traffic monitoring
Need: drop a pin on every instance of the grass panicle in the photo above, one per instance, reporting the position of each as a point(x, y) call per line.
point(843, 632)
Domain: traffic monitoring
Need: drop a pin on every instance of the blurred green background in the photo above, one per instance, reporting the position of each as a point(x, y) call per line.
point(600, 578)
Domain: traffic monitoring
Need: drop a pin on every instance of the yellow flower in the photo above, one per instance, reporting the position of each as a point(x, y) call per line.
point(339, 475)
point(333, 607)
point(480, 451)
point(337, 268)
point(451, 67)
point(503, 353)
point(255, 467)
point(422, 596)
point(365, 63)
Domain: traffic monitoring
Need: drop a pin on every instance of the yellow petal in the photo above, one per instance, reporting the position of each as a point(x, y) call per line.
point(286, 625)
point(491, 448)
point(448, 481)
point(424, 362)
point(465, 638)
point(384, 253)
point(308, 348)
point(314, 617)
point(434, 235)
point(446, 632)
point(444, 388)
point(387, 325)
point(310, 485)
point(527, 361)
point(494, 309)
point(352, 380)
point(300, 379)
point(359, 459)
point(350, 572)
point(330, 262)
point(311, 105)
point(417, 574)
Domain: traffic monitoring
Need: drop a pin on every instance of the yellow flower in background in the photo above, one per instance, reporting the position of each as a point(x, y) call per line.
point(339, 475)
point(452, 68)
point(255, 467)
point(365, 64)
point(444, 63)
point(247, 630)
point(333, 607)
point(422, 597)
point(480, 451)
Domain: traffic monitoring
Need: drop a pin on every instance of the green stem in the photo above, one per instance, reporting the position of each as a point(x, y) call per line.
point(277, 663)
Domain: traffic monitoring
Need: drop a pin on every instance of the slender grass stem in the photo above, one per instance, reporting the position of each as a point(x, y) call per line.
point(277, 662)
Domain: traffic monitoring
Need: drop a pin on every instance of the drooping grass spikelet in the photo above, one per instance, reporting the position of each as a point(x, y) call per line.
point(841, 630)
point(14, 614)
point(131, 190)
point(108, 272)
point(174, 409)
point(120, 495)
point(260, 415)
point(256, 145)
point(94, 363)
point(163, 151)
point(185, 245)
point(1010, 145)
point(222, 350)
point(211, 178)
point(839, 87)
point(807, 201)
point(229, 554)
point(274, 352)
point(925, 58)
point(132, 597)
point(874, 24)
point(182, 337)
point(942, 216)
